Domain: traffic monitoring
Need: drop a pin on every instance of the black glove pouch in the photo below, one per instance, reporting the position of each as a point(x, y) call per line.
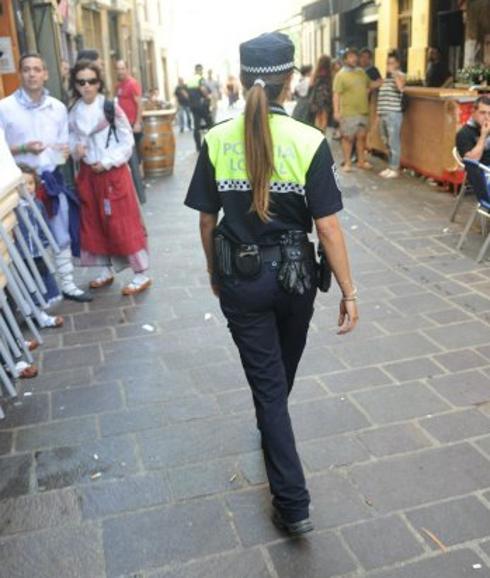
point(222, 253)
point(248, 261)
point(323, 272)
point(295, 273)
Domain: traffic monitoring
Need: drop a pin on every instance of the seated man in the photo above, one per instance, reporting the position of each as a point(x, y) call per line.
point(473, 139)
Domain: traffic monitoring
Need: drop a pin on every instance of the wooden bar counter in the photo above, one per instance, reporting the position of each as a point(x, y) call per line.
point(430, 124)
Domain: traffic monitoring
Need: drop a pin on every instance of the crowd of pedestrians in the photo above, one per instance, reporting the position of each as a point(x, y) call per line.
point(97, 222)
point(340, 94)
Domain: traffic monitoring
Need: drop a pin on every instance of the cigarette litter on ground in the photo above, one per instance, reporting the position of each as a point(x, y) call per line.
point(148, 327)
point(96, 476)
point(207, 316)
point(96, 457)
point(233, 478)
point(354, 227)
point(477, 566)
point(27, 394)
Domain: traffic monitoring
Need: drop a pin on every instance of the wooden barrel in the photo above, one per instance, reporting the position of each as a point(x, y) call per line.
point(158, 144)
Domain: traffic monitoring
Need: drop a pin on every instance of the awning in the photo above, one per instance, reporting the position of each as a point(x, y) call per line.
point(325, 8)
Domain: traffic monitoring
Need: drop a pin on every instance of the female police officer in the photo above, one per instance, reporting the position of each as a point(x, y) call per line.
point(271, 175)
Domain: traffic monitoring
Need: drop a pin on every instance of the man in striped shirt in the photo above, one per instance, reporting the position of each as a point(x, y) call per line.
point(390, 113)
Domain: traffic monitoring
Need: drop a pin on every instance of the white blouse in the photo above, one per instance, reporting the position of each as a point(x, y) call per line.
point(89, 127)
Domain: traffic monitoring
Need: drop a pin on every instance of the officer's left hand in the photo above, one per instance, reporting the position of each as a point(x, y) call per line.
point(348, 316)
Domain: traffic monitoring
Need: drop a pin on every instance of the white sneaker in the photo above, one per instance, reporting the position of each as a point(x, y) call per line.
point(391, 174)
point(384, 173)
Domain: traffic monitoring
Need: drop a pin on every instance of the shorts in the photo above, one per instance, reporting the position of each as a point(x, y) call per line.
point(350, 125)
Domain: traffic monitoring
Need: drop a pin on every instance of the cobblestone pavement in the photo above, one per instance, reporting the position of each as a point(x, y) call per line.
point(135, 454)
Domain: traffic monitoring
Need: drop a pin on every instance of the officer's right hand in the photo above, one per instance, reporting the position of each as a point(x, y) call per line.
point(348, 316)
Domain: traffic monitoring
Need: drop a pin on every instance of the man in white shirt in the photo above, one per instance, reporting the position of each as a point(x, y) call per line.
point(36, 130)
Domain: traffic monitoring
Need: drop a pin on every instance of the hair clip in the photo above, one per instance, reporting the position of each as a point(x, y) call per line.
point(260, 82)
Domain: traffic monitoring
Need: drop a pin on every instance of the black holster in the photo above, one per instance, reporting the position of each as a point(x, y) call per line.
point(323, 271)
point(248, 261)
point(297, 260)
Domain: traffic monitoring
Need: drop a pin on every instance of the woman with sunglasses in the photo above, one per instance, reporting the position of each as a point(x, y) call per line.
point(112, 234)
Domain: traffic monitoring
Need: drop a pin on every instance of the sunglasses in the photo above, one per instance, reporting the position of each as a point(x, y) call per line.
point(91, 81)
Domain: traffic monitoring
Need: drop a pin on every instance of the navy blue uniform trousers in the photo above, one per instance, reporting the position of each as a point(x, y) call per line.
point(269, 328)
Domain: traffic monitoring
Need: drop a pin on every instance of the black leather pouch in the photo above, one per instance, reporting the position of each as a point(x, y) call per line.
point(324, 273)
point(248, 261)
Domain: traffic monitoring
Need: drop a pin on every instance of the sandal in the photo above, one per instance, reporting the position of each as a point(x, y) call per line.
point(366, 166)
point(135, 288)
point(52, 322)
point(32, 345)
point(101, 282)
point(26, 371)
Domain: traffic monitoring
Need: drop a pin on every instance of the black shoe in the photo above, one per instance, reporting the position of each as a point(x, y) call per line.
point(82, 298)
point(292, 528)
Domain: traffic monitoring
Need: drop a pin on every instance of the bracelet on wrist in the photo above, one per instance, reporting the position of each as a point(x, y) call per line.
point(351, 297)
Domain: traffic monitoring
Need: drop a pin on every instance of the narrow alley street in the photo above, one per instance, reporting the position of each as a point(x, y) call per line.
point(135, 452)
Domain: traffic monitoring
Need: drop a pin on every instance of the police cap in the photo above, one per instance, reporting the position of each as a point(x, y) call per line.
point(271, 53)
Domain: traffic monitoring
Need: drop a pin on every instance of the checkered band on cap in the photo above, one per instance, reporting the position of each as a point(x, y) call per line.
point(268, 69)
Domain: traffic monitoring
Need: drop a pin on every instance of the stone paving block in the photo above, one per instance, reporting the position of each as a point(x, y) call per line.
point(462, 335)
point(412, 480)
point(86, 400)
point(408, 324)
point(448, 316)
point(203, 357)
point(419, 303)
point(353, 379)
point(485, 546)
point(205, 479)
point(325, 453)
point(251, 512)
point(67, 466)
point(126, 367)
point(26, 411)
point(456, 426)
point(463, 389)
point(405, 288)
point(485, 351)
point(234, 402)
point(323, 331)
point(385, 349)
point(39, 512)
point(88, 337)
point(484, 444)
point(56, 434)
point(461, 360)
point(132, 493)
point(198, 407)
point(6, 439)
point(394, 439)
point(335, 501)
point(453, 522)
point(227, 376)
point(458, 564)
point(419, 368)
point(252, 467)
point(197, 441)
point(59, 380)
point(382, 542)
point(306, 389)
point(319, 555)
point(325, 417)
point(131, 420)
point(83, 356)
point(400, 402)
point(147, 540)
point(473, 303)
point(384, 278)
point(317, 360)
point(97, 319)
point(63, 552)
point(162, 387)
point(246, 564)
point(15, 474)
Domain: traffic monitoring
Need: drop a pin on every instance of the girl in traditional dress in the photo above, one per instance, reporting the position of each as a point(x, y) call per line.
point(112, 234)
